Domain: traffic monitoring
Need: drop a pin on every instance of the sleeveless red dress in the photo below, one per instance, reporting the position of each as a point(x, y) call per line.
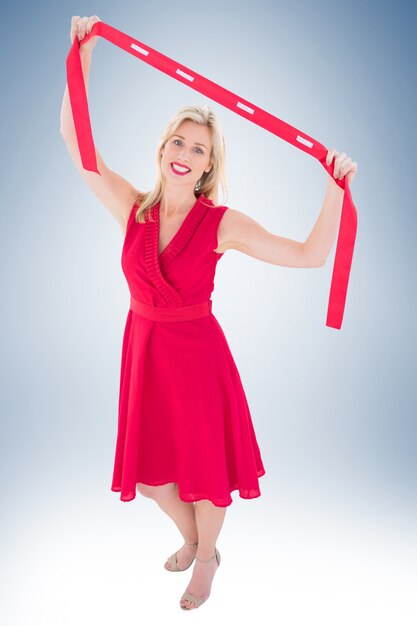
point(183, 415)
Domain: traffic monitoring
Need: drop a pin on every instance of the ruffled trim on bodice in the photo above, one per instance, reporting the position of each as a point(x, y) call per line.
point(155, 262)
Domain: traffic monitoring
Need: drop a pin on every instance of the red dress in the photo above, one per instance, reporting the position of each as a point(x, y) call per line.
point(183, 416)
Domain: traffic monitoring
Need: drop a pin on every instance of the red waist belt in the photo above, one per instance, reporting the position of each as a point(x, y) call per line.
point(163, 314)
point(79, 105)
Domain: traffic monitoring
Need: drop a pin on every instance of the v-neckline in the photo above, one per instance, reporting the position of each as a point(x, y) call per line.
point(178, 231)
point(156, 263)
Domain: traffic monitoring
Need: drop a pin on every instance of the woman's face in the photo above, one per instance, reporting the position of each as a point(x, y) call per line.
point(189, 147)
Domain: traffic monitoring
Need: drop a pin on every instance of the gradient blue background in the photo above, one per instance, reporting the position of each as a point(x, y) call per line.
point(332, 539)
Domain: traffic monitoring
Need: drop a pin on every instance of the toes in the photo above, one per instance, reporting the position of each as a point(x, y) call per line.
point(188, 604)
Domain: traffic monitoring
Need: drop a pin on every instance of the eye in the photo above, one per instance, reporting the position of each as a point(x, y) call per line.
point(201, 151)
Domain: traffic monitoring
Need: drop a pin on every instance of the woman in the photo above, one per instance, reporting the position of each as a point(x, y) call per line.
point(185, 435)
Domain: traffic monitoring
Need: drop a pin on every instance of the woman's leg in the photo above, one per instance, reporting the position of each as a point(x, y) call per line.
point(209, 520)
point(182, 513)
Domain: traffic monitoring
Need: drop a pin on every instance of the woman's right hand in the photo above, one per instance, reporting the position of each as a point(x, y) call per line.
point(81, 26)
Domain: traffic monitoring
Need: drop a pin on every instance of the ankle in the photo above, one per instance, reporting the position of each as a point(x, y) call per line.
point(191, 542)
point(205, 554)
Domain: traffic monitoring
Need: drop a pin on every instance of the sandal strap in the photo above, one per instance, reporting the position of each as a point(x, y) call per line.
point(191, 598)
point(174, 564)
point(212, 557)
point(191, 544)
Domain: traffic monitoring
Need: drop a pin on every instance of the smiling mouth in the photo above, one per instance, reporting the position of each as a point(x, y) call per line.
point(181, 171)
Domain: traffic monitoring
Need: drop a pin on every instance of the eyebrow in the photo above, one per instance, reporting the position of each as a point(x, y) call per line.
point(195, 143)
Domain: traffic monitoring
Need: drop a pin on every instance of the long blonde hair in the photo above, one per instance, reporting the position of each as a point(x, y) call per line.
point(209, 181)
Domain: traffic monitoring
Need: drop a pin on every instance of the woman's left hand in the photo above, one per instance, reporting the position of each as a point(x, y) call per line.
point(343, 165)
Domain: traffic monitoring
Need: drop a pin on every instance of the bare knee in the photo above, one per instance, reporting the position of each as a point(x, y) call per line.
point(152, 491)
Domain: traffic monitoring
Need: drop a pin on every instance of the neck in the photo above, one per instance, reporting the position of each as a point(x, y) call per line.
point(174, 202)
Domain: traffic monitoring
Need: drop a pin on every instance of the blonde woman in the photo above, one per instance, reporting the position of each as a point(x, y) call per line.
point(185, 434)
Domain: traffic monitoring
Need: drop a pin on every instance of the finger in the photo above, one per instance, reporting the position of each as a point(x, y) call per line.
point(330, 155)
point(341, 156)
point(339, 163)
point(93, 19)
point(73, 30)
point(344, 167)
point(82, 24)
point(347, 166)
point(353, 168)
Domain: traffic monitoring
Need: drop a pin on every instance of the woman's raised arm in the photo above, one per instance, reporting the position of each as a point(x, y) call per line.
point(115, 192)
point(240, 232)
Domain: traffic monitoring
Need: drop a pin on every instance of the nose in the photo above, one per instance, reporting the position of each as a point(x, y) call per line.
point(183, 155)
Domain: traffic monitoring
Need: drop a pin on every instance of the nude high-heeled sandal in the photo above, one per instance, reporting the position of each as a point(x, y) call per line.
point(173, 560)
point(189, 596)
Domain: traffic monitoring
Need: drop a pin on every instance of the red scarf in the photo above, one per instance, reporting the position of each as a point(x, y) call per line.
point(79, 106)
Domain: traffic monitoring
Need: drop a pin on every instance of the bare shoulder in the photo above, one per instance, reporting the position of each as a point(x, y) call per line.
point(241, 232)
